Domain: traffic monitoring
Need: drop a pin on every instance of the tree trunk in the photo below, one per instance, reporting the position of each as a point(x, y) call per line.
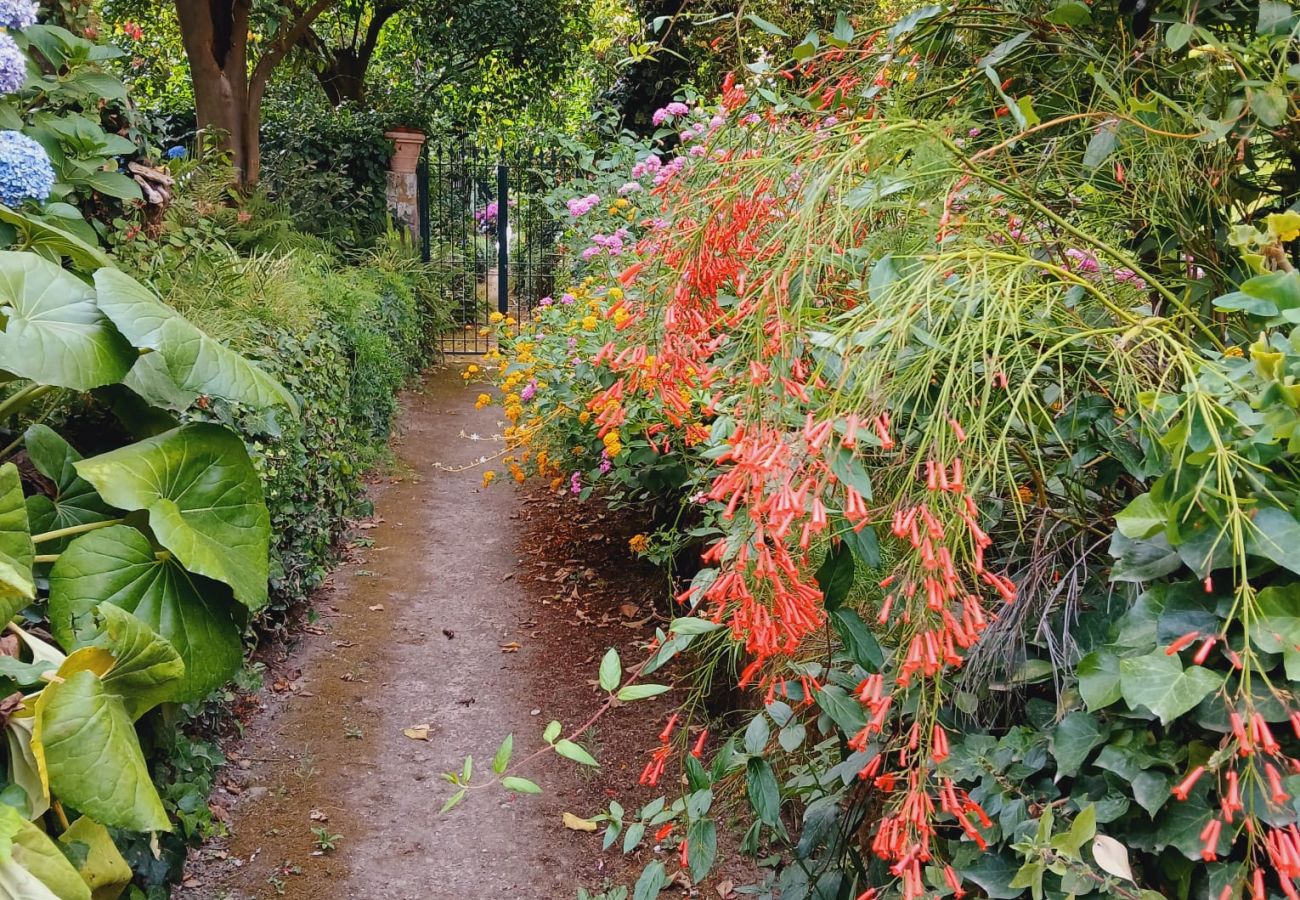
point(342, 74)
point(215, 35)
point(227, 98)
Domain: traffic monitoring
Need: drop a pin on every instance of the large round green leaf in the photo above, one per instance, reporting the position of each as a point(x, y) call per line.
point(54, 333)
point(204, 501)
point(74, 502)
point(195, 614)
point(146, 667)
point(40, 857)
point(186, 363)
point(16, 551)
point(91, 754)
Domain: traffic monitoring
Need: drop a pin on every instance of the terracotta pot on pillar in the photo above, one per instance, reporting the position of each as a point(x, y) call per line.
point(406, 149)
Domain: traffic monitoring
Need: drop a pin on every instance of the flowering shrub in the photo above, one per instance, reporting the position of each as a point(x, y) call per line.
point(995, 520)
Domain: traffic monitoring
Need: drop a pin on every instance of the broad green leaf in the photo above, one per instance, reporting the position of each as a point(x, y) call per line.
point(701, 848)
point(611, 671)
point(40, 858)
point(1178, 34)
point(1142, 560)
point(569, 750)
point(24, 674)
point(519, 785)
point(1074, 739)
point(23, 768)
point(1159, 682)
point(74, 502)
point(835, 576)
point(641, 691)
point(502, 759)
point(145, 668)
point(195, 615)
point(54, 333)
point(1142, 518)
point(195, 363)
point(858, 640)
point(47, 237)
point(764, 793)
point(766, 25)
point(1071, 13)
point(653, 880)
point(552, 732)
point(1081, 831)
point(92, 756)
point(102, 867)
point(693, 626)
point(16, 550)
point(863, 542)
point(844, 711)
point(756, 735)
point(204, 500)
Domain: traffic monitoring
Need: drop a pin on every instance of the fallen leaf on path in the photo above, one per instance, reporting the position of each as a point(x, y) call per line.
point(578, 824)
point(417, 732)
point(726, 889)
point(448, 633)
point(512, 647)
point(318, 816)
point(378, 607)
point(630, 610)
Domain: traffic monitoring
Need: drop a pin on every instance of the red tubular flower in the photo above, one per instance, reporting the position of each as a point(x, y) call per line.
point(1184, 787)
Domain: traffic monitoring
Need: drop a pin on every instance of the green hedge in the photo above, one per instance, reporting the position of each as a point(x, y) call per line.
point(376, 327)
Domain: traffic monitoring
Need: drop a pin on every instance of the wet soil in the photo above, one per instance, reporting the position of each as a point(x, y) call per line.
point(477, 613)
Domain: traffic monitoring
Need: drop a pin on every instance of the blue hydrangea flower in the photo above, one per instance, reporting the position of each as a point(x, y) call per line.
point(17, 13)
point(25, 170)
point(177, 152)
point(13, 65)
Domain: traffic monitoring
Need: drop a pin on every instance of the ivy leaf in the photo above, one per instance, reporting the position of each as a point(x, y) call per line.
point(193, 363)
point(1142, 518)
point(1275, 535)
point(54, 333)
point(1074, 739)
point(1275, 620)
point(16, 550)
point(195, 615)
point(1159, 682)
point(1142, 560)
point(204, 500)
point(1099, 679)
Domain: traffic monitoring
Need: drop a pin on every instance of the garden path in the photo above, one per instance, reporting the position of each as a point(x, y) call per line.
point(420, 628)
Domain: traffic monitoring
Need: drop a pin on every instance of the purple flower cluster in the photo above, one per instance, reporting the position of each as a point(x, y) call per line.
point(630, 188)
point(13, 65)
point(18, 13)
point(672, 110)
point(608, 243)
point(25, 170)
point(647, 166)
point(580, 206)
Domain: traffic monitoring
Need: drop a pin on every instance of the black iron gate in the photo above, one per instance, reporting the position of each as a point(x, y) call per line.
point(483, 214)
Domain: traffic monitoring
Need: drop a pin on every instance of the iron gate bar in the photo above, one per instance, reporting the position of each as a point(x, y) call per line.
point(503, 237)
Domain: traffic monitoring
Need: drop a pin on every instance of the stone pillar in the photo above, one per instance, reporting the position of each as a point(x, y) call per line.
point(403, 181)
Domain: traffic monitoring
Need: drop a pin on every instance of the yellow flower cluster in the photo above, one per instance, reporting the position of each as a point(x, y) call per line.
point(613, 442)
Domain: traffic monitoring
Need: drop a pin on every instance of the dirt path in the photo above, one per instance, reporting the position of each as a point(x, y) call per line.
point(413, 633)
